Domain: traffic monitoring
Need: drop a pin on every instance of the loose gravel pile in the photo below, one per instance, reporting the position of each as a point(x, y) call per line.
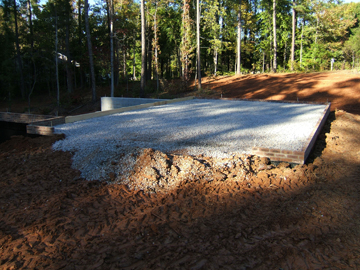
point(218, 128)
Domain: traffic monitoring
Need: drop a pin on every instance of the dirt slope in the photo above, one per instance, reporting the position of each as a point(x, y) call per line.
point(240, 213)
point(342, 89)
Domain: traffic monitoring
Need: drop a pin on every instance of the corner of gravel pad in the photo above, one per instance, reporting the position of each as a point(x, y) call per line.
point(153, 171)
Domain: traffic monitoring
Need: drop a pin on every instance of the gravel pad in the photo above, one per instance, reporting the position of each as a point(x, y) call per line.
point(219, 128)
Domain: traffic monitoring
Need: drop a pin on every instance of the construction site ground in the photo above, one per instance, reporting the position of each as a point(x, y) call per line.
point(239, 213)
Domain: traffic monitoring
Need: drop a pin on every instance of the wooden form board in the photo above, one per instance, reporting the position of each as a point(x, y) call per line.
point(22, 117)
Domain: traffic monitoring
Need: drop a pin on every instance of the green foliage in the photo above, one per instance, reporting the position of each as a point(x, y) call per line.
point(330, 30)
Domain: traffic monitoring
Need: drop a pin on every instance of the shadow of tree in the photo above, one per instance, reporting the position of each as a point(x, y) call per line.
point(302, 218)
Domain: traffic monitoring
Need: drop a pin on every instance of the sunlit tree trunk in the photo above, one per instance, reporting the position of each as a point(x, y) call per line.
point(186, 46)
point(143, 49)
point(91, 61)
point(301, 45)
point(198, 42)
point(293, 36)
point(238, 51)
point(215, 61)
point(156, 45)
point(274, 30)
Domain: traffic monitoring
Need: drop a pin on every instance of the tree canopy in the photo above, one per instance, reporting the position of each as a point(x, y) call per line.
point(39, 40)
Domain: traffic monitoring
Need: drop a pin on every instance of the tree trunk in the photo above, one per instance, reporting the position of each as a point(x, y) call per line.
point(238, 51)
point(91, 61)
point(178, 60)
point(117, 62)
point(143, 50)
point(149, 59)
point(125, 69)
point(18, 54)
point(57, 66)
point(353, 60)
point(80, 43)
point(112, 48)
point(293, 36)
point(32, 87)
point(186, 47)
point(198, 42)
point(263, 65)
point(30, 26)
point(215, 61)
point(156, 49)
point(69, 72)
point(274, 30)
point(285, 53)
point(301, 46)
point(134, 60)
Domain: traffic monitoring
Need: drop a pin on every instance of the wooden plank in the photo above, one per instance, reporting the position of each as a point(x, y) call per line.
point(40, 130)
point(22, 117)
point(50, 122)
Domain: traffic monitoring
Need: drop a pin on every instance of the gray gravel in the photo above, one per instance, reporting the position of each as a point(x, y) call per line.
point(219, 128)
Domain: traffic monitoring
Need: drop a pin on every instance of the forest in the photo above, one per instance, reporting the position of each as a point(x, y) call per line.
point(56, 47)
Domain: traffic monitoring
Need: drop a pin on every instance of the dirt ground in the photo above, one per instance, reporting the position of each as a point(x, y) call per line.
point(239, 213)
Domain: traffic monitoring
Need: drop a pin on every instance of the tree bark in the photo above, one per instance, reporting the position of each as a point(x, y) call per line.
point(293, 36)
point(198, 42)
point(80, 43)
point(30, 26)
point(178, 61)
point(263, 65)
point(285, 53)
point(238, 51)
point(275, 43)
point(143, 49)
point(149, 58)
point(112, 47)
point(215, 61)
point(301, 46)
point(91, 61)
point(68, 60)
point(57, 66)
point(156, 49)
point(134, 60)
point(18, 54)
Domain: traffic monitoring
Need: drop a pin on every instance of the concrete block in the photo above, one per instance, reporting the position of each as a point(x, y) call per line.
point(111, 103)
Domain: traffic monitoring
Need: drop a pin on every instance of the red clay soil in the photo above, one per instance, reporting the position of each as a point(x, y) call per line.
point(342, 89)
point(241, 213)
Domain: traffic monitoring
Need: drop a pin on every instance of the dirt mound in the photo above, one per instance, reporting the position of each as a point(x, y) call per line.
point(157, 172)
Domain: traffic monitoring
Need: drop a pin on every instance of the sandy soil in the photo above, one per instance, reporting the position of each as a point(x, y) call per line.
point(240, 213)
